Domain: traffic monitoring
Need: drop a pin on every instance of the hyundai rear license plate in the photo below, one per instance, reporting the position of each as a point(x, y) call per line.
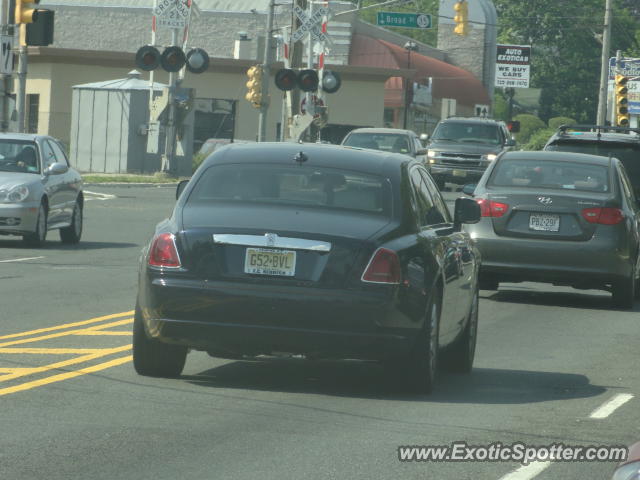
point(459, 173)
point(269, 261)
point(544, 222)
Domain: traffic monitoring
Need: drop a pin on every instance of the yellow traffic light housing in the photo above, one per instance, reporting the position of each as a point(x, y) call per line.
point(621, 101)
point(461, 18)
point(254, 86)
point(25, 12)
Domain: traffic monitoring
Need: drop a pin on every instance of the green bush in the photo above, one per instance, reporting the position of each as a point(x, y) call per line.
point(196, 160)
point(555, 122)
point(538, 140)
point(529, 124)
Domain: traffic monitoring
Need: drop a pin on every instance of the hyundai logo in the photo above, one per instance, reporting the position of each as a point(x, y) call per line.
point(271, 239)
point(545, 200)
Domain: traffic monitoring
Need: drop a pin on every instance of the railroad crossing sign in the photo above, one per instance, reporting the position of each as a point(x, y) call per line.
point(482, 110)
point(172, 13)
point(311, 24)
point(6, 61)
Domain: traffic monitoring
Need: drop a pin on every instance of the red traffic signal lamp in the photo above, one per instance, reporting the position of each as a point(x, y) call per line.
point(147, 58)
point(513, 126)
point(172, 59)
point(308, 80)
point(286, 79)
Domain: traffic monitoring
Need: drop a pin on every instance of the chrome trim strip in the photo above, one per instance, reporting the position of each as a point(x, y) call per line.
point(272, 240)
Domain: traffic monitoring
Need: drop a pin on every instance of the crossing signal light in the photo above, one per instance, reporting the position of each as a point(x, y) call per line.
point(286, 79)
point(621, 100)
point(330, 81)
point(461, 17)
point(147, 58)
point(254, 86)
point(308, 80)
point(172, 59)
point(197, 60)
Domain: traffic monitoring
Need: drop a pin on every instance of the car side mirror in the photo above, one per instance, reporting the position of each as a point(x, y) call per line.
point(56, 169)
point(466, 211)
point(469, 189)
point(181, 186)
point(422, 151)
point(424, 137)
point(510, 142)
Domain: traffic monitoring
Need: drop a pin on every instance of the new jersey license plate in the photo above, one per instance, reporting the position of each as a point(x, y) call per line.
point(270, 261)
point(544, 222)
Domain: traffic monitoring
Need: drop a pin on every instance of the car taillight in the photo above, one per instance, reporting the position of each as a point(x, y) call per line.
point(384, 267)
point(164, 252)
point(489, 208)
point(603, 215)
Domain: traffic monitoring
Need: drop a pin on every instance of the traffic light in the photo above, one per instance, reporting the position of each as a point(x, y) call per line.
point(254, 86)
point(308, 80)
point(330, 81)
point(197, 60)
point(621, 101)
point(25, 12)
point(40, 31)
point(286, 79)
point(461, 17)
point(172, 59)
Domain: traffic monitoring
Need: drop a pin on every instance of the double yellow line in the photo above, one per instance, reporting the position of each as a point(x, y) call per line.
point(83, 328)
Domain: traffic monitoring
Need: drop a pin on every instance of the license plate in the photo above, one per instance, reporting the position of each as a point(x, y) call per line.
point(459, 173)
point(269, 261)
point(544, 222)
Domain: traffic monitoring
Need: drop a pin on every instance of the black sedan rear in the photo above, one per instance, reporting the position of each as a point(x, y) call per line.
point(309, 249)
point(562, 218)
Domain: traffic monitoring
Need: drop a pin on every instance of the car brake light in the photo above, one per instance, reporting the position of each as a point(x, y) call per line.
point(489, 208)
point(384, 267)
point(164, 252)
point(603, 215)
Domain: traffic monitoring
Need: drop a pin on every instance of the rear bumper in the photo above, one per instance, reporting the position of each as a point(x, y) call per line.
point(17, 219)
point(598, 261)
point(250, 319)
point(459, 174)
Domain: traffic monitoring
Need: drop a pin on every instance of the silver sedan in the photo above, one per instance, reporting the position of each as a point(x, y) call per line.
point(39, 191)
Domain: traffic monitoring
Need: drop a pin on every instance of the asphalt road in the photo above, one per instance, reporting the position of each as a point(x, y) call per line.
point(73, 407)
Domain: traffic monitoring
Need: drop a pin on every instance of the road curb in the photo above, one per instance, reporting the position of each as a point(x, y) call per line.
point(126, 184)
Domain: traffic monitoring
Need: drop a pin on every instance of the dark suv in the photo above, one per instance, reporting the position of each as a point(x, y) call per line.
point(461, 149)
point(618, 142)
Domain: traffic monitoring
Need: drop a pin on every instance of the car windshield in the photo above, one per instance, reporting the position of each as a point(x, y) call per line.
point(19, 156)
point(298, 186)
point(558, 174)
point(386, 142)
point(467, 132)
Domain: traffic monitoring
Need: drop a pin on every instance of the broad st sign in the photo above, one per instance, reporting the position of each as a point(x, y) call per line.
point(513, 66)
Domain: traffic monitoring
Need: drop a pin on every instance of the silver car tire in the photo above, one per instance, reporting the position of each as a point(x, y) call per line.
point(37, 238)
point(73, 232)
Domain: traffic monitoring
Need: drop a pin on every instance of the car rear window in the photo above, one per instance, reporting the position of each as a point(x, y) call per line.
point(386, 142)
point(300, 186)
point(559, 174)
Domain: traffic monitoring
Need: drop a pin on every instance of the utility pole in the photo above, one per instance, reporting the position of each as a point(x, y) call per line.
point(296, 63)
point(22, 77)
point(169, 160)
point(4, 79)
point(604, 65)
point(266, 76)
point(616, 70)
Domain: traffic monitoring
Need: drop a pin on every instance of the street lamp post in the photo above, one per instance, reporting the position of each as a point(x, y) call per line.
point(409, 47)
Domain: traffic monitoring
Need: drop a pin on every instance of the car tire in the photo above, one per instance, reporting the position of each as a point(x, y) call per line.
point(422, 368)
point(624, 292)
point(152, 358)
point(459, 357)
point(73, 232)
point(38, 238)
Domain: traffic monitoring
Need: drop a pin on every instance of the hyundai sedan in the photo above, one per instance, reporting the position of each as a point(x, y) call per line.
point(317, 250)
point(562, 218)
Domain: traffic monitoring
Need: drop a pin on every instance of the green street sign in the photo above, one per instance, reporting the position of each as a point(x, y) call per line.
point(406, 20)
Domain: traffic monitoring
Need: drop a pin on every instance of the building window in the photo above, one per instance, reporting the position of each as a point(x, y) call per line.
point(390, 118)
point(214, 118)
point(33, 106)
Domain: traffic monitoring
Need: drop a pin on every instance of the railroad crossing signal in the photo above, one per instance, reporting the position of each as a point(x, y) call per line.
point(254, 86)
point(621, 100)
point(461, 17)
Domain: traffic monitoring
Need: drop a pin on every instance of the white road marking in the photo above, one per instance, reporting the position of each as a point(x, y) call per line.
point(610, 406)
point(527, 472)
point(20, 259)
point(98, 196)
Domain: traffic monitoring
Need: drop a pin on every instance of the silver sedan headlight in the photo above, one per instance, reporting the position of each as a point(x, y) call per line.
point(15, 194)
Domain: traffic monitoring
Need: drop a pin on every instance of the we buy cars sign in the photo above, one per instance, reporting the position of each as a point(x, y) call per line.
point(513, 66)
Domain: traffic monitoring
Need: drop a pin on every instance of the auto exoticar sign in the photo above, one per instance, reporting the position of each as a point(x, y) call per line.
point(513, 66)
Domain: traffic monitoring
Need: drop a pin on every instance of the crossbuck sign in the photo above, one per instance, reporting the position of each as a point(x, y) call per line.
point(172, 13)
point(310, 24)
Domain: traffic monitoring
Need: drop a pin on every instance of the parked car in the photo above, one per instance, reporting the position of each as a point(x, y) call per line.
point(630, 468)
point(39, 190)
point(310, 249)
point(561, 218)
point(461, 149)
point(391, 140)
point(619, 142)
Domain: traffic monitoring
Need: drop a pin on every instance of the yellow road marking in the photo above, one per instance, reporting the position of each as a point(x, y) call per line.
point(65, 363)
point(103, 332)
point(65, 376)
point(54, 351)
point(64, 334)
point(67, 325)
